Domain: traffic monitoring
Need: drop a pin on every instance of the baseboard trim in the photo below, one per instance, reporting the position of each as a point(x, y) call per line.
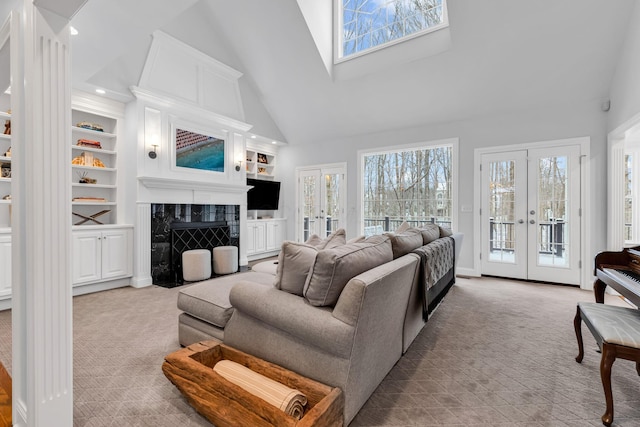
point(467, 272)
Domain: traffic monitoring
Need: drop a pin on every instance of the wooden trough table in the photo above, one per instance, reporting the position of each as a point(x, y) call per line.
point(228, 405)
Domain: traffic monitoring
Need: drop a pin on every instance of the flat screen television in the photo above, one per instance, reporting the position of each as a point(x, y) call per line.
point(264, 195)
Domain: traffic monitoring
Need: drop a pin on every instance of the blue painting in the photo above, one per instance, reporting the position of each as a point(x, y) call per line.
point(197, 151)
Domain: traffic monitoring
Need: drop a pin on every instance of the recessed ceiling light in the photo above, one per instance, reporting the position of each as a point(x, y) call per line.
point(274, 142)
point(253, 137)
point(8, 91)
point(101, 91)
point(73, 31)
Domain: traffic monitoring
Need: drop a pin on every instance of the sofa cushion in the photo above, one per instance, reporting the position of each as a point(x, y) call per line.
point(334, 239)
point(356, 239)
point(430, 232)
point(209, 300)
point(334, 267)
point(294, 261)
point(405, 242)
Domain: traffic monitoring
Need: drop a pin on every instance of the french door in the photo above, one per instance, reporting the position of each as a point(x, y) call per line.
point(530, 214)
point(321, 194)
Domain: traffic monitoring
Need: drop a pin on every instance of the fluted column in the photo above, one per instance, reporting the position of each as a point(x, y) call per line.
point(41, 233)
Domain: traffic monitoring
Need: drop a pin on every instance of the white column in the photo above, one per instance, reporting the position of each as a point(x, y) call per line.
point(142, 246)
point(41, 173)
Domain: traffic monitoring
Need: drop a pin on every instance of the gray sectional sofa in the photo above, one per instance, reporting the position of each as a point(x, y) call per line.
point(342, 313)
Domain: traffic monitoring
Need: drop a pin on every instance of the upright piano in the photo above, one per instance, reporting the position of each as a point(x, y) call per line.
point(621, 271)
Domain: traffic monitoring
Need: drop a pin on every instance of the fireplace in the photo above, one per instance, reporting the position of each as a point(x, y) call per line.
point(176, 228)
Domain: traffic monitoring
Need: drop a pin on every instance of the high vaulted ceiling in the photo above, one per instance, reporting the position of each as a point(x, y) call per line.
point(504, 55)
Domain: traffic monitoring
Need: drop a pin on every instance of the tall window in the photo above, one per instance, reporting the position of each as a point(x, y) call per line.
point(367, 24)
point(414, 184)
point(628, 198)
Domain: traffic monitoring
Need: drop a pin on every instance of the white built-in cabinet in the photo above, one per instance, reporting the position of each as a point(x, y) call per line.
point(275, 234)
point(264, 237)
point(5, 265)
point(105, 254)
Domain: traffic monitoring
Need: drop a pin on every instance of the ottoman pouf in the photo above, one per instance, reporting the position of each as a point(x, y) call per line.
point(196, 265)
point(225, 259)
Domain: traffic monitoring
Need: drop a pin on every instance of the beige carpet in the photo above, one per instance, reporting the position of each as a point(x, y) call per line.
point(496, 352)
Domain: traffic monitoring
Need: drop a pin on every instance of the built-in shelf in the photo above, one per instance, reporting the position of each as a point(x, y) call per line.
point(5, 202)
point(93, 168)
point(5, 159)
point(95, 133)
point(93, 150)
point(5, 179)
point(107, 117)
point(93, 203)
point(5, 115)
point(90, 186)
point(7, 137)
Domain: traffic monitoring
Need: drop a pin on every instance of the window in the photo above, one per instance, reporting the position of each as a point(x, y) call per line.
point(368, 24)
point(413, 184)
point(628, 198)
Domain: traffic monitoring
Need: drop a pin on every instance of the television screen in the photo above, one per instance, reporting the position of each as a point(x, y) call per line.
point(264, 195)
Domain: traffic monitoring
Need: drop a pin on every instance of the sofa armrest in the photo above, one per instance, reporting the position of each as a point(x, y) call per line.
point(294, 315)
point(457, 237)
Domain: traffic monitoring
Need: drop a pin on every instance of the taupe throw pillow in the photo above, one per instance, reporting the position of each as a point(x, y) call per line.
point(334, 267)
point(402, 227)
point(294, 261)
point(337, 238)
point(445, 232)
point(405, 242)
point(430, 232)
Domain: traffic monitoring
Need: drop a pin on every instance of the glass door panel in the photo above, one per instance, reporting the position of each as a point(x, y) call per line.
point(504, 236)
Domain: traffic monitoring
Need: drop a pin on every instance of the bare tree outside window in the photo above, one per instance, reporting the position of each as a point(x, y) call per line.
point(370, 23)
point(412, 185)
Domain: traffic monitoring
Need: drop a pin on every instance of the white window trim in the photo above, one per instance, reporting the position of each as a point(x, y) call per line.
point(615, 181)
point(338, 30)
point(586, 275)
point(449, 142)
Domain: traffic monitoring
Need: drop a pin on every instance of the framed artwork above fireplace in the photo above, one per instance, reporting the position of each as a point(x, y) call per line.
point(197, 149)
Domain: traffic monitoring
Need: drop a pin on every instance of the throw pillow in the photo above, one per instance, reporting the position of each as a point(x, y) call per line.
point(334, 267)
point(430, 232)
point(337, 238)
point(356, 240)
point(445, 232)
point(405, 242)
point(403, 227)
point(294, 261)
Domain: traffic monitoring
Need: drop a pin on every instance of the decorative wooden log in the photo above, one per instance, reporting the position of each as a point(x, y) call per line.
point(226, 404)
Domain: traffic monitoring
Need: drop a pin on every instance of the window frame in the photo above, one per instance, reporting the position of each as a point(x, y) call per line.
point(425, 145)
point(338, 30)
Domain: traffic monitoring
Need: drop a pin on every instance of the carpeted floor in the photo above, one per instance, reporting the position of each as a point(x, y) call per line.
point(495, 352)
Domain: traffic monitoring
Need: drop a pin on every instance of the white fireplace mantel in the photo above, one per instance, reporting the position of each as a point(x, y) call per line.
point(183, 184)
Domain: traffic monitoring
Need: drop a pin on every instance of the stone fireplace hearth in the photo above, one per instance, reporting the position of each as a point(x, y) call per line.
point(176, 228)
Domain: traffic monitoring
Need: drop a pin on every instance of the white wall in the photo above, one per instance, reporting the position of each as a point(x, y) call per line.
point(554, 122)
point(625, 87)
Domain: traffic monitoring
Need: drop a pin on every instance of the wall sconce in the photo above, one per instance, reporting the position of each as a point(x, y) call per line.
point(238, 165)
point(153, 154)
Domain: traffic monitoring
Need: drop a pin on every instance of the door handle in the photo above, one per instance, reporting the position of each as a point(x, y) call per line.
point(532, 221)
point(520, 221)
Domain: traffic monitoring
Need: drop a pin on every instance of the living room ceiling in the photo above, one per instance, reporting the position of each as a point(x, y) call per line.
point(504, 56)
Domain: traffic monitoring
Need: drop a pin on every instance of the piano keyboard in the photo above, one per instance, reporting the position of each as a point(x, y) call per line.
point(629, 275)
